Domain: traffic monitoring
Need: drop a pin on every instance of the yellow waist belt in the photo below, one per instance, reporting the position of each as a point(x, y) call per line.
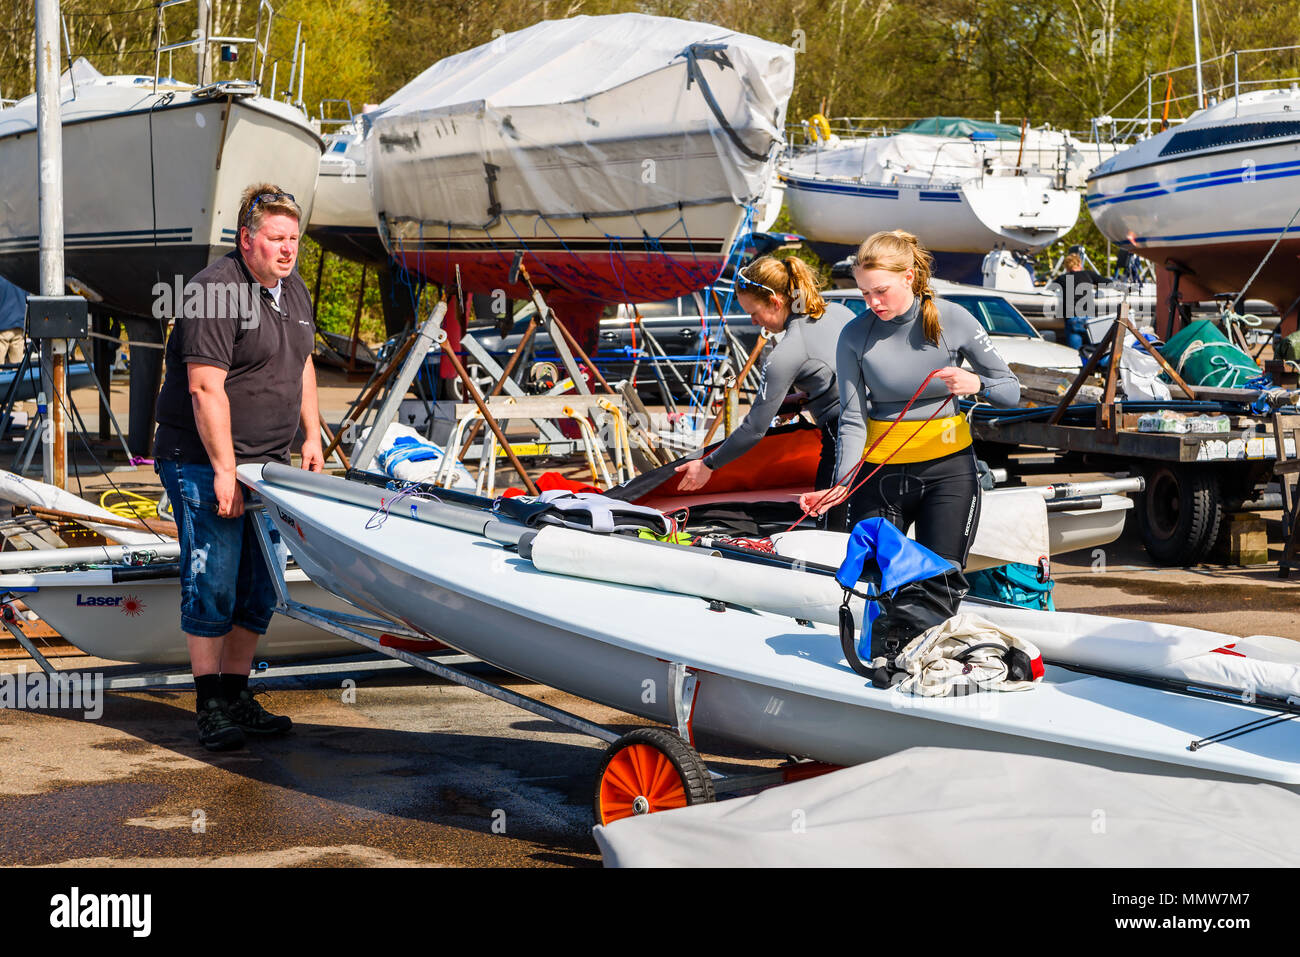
point(935, 439)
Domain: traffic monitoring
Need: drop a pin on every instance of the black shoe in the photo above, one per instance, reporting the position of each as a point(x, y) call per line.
point(249, 715)
point(216, 731)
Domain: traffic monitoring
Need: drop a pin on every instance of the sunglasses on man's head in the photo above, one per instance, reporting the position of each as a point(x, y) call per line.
point(745, 284)
point(270, 197)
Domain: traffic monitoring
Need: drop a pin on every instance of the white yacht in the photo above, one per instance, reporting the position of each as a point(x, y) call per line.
point(958, 195)
point(1209, 197)
point(153, 169)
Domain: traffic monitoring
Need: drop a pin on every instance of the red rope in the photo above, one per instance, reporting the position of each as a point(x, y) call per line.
point(852, 473)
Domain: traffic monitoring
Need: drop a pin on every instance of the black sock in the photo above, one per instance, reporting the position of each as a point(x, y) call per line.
point(206, 687)
point(232, 685)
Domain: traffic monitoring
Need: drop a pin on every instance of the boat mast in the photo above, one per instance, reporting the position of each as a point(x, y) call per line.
point(1196, 39)
point(49, 155)
point(201, 44)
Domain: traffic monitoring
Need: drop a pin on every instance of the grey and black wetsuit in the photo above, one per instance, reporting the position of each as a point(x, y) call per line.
point(803, 360)
point(880, 365)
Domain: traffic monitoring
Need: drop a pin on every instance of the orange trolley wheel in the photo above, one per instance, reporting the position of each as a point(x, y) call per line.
point(648, 770)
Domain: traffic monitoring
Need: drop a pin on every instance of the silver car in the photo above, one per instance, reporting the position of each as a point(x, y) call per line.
point(1012, 335)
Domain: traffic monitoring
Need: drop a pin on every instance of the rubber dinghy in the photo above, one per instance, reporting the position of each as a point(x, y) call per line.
point(743, 649)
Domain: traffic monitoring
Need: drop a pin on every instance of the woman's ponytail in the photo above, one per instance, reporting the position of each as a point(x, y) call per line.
point(793, 279)
point(805, 286)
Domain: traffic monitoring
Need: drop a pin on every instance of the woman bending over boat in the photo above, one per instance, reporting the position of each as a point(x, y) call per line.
point(781, 296)
point(884, 356)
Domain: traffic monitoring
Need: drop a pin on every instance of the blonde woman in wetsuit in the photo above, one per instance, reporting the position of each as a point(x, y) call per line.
point(884, 356)
point(781, 297)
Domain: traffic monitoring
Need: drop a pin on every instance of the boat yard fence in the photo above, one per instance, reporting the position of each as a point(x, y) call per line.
point(1162, 97)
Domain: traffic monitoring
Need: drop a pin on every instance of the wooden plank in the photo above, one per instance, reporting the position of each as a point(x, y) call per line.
point(14, 540)
point(1227, 395)
point(1162, 446)
point(45, 534)
point(160, 526)
point(1039, 396)
point(1039, 378)
point(538, 406)
point(1106, 410)
point(34, 541)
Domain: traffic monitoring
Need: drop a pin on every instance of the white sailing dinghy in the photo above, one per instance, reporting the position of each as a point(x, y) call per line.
point(122, 602)
point(744, 649)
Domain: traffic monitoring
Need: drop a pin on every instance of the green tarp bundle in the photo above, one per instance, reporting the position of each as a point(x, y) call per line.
point(1202, 355)
point(960, 126)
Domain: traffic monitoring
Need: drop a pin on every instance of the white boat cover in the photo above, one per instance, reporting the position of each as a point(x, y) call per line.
point(904, 158)
point(564, 111)
point(938, 807)
point(18, 490)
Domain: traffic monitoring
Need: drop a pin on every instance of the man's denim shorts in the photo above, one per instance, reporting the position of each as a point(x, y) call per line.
point(224, 578)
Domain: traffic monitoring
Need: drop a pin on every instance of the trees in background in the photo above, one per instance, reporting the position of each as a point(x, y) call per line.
point(1062, 62)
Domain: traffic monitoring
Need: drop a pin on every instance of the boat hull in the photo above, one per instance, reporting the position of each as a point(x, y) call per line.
point(149, 195)
point(1016, 212)
point(763, 680)
point(342, 220)
point(139, 621)
point(598, 258)
point(1205, 197)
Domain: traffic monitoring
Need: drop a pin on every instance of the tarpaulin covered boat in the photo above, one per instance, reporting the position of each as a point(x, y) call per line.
point(621, 153)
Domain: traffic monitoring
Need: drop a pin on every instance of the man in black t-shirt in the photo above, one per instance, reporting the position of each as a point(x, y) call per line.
point(239, 383)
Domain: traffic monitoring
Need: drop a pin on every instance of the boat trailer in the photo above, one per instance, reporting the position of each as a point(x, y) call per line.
point(646, 770)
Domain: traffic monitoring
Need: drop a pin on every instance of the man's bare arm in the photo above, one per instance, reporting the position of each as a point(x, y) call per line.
point(212, 416)
point(312, 458)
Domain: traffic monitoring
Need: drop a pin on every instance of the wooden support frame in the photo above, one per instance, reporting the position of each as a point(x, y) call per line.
point(1113, 344)
point(735, 386)
point(364, 403)
point(472, 391)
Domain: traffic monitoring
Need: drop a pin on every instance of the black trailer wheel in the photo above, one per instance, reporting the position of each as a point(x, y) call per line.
point(1179, 513)
point(649, 770)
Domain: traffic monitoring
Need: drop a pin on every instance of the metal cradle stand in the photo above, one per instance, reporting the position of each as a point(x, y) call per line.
point(683, 679)
point(142, 677)
point(346, 626)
